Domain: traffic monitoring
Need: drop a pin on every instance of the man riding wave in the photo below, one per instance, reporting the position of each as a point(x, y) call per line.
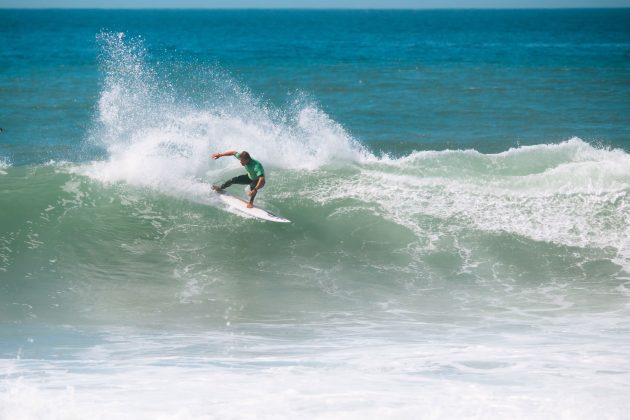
point(255, 176)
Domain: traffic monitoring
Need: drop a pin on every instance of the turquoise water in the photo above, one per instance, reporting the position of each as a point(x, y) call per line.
point(458, 182)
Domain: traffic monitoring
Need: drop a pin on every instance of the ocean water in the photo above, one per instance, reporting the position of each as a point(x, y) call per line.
point(458, 182)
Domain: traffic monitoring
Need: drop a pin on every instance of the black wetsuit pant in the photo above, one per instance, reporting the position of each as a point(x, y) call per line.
point(241, 180)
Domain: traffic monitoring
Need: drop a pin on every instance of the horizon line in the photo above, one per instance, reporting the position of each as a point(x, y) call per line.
point(315, 8)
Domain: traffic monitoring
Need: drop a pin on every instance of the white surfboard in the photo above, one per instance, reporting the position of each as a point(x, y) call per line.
point(241, 205)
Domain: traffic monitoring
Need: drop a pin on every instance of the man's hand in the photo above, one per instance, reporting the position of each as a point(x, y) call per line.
point(216, 156)
point(252, 192)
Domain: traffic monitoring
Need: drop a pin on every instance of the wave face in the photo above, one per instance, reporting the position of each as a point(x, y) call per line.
point(453, 272)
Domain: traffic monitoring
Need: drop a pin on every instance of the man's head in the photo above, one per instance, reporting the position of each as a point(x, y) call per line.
point(245, 158)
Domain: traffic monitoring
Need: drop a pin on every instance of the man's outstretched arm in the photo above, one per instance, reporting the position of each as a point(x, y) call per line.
point(216, 156)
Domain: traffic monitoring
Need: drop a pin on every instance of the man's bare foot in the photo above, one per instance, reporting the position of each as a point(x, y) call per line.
point(250, 205)
point(217, 188)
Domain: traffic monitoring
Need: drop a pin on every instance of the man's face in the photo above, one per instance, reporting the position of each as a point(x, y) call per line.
point(244, 160)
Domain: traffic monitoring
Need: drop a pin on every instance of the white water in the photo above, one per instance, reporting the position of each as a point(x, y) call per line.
point(453, 373)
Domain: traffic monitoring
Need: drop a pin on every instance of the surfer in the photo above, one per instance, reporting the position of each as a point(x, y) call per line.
point(255, 176)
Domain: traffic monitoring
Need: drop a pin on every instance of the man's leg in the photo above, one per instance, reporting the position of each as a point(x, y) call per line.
point(252, 185)
point(241, 179)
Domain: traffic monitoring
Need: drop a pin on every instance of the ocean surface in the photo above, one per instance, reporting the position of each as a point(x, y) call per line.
point(458, 184)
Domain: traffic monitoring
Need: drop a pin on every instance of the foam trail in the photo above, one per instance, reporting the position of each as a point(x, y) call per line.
point(569, 194)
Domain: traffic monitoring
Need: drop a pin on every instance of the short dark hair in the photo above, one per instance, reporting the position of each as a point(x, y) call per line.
point(245, 155)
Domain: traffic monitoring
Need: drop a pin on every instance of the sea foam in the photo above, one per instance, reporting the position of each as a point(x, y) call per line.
point(154, 140)
point(571, 193)
point(5, 163)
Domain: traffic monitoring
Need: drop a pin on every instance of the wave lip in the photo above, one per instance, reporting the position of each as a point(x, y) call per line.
point(570, 194)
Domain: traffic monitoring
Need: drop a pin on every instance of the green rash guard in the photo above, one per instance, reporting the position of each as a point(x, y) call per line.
point(254, 168)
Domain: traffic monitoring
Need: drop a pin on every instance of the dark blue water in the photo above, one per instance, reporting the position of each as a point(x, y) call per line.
point(396, 80)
